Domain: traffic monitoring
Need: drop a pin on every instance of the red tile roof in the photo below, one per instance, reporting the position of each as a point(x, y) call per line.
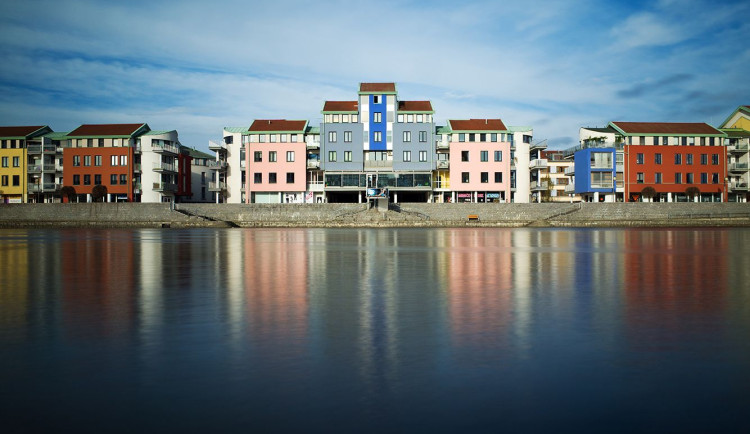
point(377, 87)
point(106, 130)
point(18, 131)
point(340, 106)
point(277, 125)
point(666, 128)
point(415, 106)
point(477, 125)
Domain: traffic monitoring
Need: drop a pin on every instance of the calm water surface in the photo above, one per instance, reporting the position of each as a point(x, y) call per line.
point(409, 330)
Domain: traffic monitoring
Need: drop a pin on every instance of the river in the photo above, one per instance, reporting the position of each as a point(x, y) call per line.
point(375, 330)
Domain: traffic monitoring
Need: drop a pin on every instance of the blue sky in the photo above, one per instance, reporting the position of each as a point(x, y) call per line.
point(197, 66)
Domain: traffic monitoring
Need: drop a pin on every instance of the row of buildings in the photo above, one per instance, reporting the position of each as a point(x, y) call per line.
point(376, 143)
point(133, 162)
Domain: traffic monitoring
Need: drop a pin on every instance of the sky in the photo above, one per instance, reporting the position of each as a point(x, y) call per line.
point(199, 66)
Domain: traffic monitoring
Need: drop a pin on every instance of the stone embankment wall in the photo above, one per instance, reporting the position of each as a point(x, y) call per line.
point(360, 215)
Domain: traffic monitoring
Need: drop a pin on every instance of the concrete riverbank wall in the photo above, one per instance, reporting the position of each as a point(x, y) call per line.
point(360, 215)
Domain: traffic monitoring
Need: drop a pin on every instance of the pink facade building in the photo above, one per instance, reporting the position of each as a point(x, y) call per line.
point(480, 156)
point(275, 161)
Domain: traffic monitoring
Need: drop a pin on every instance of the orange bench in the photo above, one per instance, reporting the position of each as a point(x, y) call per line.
point(473, 217)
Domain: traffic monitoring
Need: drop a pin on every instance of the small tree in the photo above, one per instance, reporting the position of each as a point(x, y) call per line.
point(648, 193)
point(692, 192)
point(546, 184)
point(68, 192)
point(99, 192)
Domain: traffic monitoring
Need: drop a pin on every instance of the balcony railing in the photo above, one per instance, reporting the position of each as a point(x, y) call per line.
point(443, 164)
point(221, 146)
point(539, 185)
point(739, 148)
point(570, 171)
point(538, 163)
point(738, 186)
point(161, 167)
point(216, 164)
point(602, 184)
point(570, 188)
point(45, 187)
point(378, 164)
point(539, 145)
point(442, 145)
point(216, 186)
point(38, 149)
point(313, 145)
point(313, 164)
point(738, 167)
point(165, 149)
point(441, 185)
point(164, 186)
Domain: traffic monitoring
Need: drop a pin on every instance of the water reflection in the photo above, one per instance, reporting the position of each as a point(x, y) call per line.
point(378, 319)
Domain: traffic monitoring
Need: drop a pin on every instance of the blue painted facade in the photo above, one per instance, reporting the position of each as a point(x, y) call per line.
point(378, 126)
point(583, 170)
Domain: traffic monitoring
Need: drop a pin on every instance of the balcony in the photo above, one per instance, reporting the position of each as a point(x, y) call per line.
point(442, 145)
point(538, 146)
point(602, 185)
point(738, 186)
point(38, 149)
point(137, 167)
point(313, 164)
point(164, 187)
point(313, 145)
point(137, 188)
point(165, 149)
point(570, 171)
point(441, 185)
point(738, 167)
point(570, 189)
point(539, 185)
point(47, 187)
point(221, 146)
point(538, 164)
point(379, 164)
point(58, 167)
point(216, 164)
point(738, 148)
point(164, 167)
point(217, 186)
point(443, 164)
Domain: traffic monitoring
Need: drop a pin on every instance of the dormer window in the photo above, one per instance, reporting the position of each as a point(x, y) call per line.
point(376, 99)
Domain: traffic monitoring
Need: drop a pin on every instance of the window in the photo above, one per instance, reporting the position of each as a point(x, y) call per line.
point(377, 117)
point(332, 156)
point(603, 160)
point(678, 178)
point(664, 140)
point(89, 143)
point(112, 162)
point(87, 160)
point(704, 159)
point(123, 160)
point(498, 176)
point(400, 118)
point(464, 155)
point(461, 137)
point(272, 138)
point(272, 156)
point(272, 178)
point(657, 178)
point(5, 179)
point(423, 136)
point(639, 178)
point(483, 156)
point(410, 118)
point(420, 118)
point(715, 178)
point(290, 177)
point(689, 159)
point(97, 160)
point(76, 179)
point(332, 137)
point(289, 156)
point(16, 162)
point(422, 156)
point(112, 179)
point(691, 141)
point(498, 155)
point(5, 161)
point(704, 178)
point(714, 159)
point(407, 136)
point(377, 136)
point(639, 158)
point(657, 158)
point(97, 179)
point(123, 179)
point(483, 137)
point(484, 177)
point(348, 156)
point(465, 177)
point(16, 180)
point(710, 141)
point(493, 137)
point(261, 138)
point(257, 178)
point(101, 143)
point(86, 179)
point(407, 156)
point(677, 158)
point(655, 140)
point(283, 138)
point(258, 156)
point(347, 136)
point(472, 137)
point(293, 138)
point(77, 160)
point(688, 178)
point(376, 99)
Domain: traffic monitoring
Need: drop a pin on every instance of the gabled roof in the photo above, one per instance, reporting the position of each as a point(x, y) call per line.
point(341, 106)
point(196, 153)
point(665, 128)
point(377, 88)
point(607, 130)
point(477, 125)
point(277, 126)
point(415, 106)
point(745, 109)
point(22, 131)
point(102, 130)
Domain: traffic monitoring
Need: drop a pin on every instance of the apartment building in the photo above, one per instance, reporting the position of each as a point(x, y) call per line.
point(22, 173)
point(737, 130)
point(228, 169)
point(200, 176)
point(554, 180)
